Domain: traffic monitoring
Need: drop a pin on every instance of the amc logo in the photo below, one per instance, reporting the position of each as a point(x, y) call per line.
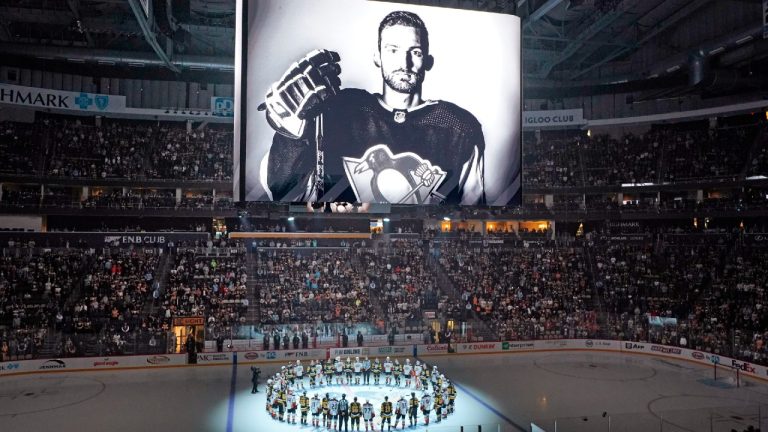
point(697, 355)
point(251, 355)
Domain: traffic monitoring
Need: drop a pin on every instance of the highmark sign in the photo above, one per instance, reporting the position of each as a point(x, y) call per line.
point(46, 98)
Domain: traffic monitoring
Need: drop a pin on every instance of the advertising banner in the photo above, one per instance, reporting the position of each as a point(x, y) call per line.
point(433, 349)
point(34, 97)
point(375, 351)
point(288, 355)
point(765, 19)
point(223, 106)
point(215, 358)
point(478, 347)
point(553, 118)
point(102, 239)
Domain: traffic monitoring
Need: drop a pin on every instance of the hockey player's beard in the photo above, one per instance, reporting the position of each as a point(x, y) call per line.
point(403, 81)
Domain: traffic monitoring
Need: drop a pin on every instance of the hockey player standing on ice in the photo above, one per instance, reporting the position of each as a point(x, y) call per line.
point(417, 374)
point(316, 408)
point(401, 411)
point(366, 371)
point(426, 151)
point(397, 370)
point(426, 407)
point(355, 411)
point(298, 370)
point(388, 370)
point(368, 415)
point(333, 409)
point(358, 366)
point(376, 371)
point(451, 397)
point(407, 371)
point(312, 372)
point(339, 370)
point(348, 369)
point(386, 413)
point(413, 410)
point(292, 405)
point(304, 407)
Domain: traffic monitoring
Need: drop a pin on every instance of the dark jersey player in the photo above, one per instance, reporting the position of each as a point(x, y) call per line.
point(351, 145)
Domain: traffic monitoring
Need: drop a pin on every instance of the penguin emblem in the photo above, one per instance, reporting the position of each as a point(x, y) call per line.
point(383, 177)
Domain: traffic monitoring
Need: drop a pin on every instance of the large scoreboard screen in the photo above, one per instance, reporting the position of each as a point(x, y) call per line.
point(374, 102)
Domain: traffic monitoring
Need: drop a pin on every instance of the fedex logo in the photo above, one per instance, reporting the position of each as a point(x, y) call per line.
point(746, 367)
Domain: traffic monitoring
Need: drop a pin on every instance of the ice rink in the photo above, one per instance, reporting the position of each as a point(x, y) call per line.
point(579, 391)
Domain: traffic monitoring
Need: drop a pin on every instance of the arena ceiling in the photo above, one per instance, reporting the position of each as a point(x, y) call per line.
point(566, 42)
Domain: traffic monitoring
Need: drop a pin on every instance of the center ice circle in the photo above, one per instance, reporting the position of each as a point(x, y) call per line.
point(284, 403)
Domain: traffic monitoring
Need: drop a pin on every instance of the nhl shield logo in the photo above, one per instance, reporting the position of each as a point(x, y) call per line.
point(102, 102)
point(383, 177)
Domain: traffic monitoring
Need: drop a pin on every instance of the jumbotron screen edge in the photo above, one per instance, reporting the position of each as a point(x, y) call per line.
point(362, 101)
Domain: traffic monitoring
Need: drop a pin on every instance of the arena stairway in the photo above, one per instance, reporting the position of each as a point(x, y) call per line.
point(253, 289)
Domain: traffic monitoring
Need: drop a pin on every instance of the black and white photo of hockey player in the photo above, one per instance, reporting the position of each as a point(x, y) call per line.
point(394, 147)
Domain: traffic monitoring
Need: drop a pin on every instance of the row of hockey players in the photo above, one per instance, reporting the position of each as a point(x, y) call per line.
point(336, 414)
point(341, 372)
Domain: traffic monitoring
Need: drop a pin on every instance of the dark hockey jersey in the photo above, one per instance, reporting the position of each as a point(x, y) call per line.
point(375, 154)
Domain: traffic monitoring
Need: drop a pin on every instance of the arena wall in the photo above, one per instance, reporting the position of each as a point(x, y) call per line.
point(43, 366)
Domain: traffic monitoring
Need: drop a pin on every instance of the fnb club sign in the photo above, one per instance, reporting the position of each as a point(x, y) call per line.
point(135, 239)
point(106, 362)
point(48, 98)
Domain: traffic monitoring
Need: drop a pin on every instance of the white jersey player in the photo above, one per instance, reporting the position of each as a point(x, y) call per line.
point(407, 371)
point(339, 367)
point(358, 367)
point(426, 406)
point(368, 415)
point(333, 411)
point(298, 370)
point(315, 408)
point(401, 411)
point(388, 365)
point(291, 403)
point(417, 373)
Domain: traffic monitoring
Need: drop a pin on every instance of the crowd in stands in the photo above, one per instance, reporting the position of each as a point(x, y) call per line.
point(712, 285)
point(198, 155)
point(59, 146)
point(677, 153)
point(521, 293)
point(299, 287)
point(34, 288)
point(400, 280)
point(678, 286)
point(115, 149)
point(213, 285)
point(21, 145)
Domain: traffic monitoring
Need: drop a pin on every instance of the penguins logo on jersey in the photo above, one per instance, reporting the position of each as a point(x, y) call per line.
point(383, 177)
